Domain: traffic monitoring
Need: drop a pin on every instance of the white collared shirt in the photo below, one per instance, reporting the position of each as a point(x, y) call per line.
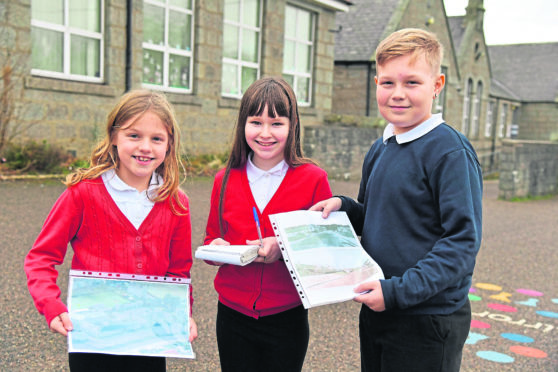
point(133, 204)
point(417, 132)
point(264, 184)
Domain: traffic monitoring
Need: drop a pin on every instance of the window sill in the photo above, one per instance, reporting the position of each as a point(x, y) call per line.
point(69, 86)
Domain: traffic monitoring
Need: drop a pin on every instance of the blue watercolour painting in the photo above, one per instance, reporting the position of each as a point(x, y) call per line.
point(129, 315)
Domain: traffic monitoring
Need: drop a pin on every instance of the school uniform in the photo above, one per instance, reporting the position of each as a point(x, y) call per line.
point(92, 216)
point(419, 214)
point(261, 324)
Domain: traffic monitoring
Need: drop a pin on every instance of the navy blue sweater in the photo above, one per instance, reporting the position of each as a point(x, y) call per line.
point(419, 214)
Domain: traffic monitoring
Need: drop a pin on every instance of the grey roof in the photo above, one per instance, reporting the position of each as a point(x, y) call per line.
point(499, 89)
point(457, 30)
point(362, 28)
point(528, 70)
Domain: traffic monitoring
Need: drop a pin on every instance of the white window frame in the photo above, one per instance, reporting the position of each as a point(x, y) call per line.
point(476, 110)
point(489, 118)
point(513, 129)
point(465, 126)
point(238, 62)
point(68, 32)
point(503, 120)
point(168, 50)
point(312, 44)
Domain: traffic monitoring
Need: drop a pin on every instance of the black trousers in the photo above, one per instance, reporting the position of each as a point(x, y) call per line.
point(92, 362)
point(413, 343)
point(271, 343)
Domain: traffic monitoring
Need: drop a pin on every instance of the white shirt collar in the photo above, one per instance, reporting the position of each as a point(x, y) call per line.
point(111, 178)
point(254, 173)
point(415, 133)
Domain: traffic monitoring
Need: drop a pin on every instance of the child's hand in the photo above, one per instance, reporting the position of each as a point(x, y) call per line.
point(193, 330)
point(372, 295)
point(217, 241)
point(327, 206)
point(61, 324)
point(269, 253)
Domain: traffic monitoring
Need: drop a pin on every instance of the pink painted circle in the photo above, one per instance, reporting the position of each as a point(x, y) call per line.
point(528, 351)
point(529, 292)
point(479, 324)
point(504, 308)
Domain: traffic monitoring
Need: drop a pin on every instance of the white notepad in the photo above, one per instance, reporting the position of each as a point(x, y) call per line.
point(239, 255)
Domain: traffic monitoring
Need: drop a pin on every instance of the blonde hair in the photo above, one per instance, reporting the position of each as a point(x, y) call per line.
point(413, 41)
point(105, 156)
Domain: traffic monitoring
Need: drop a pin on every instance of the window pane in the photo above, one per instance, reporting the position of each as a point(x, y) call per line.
point(152, 67)
point(48, 10)
point(229, 80)
point(289, 79)
point(179, 30)
point(249, 46)
point(153, 24)
point(47, 50)
point(251, 13)
point(84, 56)
point(187, 4)
point(85, 14)
point(302, 87)
point(303, 58)
point(230, 42)
point(304, 29)
point(231, 11)
point(179, 71)
point(249, 75)
point(290, 22)
point(289, 56)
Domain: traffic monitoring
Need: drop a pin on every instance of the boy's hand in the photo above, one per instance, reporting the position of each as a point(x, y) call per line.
point(372, 295)
point(61, 324)
point(193, 330)
point(270, 251)
point(327, 206)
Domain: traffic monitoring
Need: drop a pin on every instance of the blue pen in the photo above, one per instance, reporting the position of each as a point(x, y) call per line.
point(258, 225)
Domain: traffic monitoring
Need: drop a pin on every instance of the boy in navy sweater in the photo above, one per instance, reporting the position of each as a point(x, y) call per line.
point(419, 214)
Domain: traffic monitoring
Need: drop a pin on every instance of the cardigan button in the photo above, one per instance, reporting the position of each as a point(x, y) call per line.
point(140, 265)
point(138, 238)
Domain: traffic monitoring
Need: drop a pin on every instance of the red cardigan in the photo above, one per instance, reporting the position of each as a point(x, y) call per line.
point(260, 289)
point(103, 239)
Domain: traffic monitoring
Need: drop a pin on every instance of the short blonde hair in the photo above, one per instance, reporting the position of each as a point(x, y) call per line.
point(413, 41)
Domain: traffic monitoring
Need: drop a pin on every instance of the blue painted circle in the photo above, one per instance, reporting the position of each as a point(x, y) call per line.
point(517, 338)
point(548, 314)
point(493, 356)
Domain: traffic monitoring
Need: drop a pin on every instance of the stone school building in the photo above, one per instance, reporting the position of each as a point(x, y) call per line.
point(492, 93)
point(69, 61)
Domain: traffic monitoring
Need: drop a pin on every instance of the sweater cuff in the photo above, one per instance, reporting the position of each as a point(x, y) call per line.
point(52, 309)
point(387, 292)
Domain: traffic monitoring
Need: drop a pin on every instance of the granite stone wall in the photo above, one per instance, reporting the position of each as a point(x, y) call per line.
point(339, 150)
point(528, 168)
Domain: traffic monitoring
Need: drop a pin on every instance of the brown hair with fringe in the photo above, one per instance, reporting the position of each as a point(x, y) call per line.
point(129, 108)
point(413, 41)
point(280, 99)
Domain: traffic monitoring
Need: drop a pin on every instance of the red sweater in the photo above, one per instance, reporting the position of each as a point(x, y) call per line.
point(260, 289)
point(103, 239)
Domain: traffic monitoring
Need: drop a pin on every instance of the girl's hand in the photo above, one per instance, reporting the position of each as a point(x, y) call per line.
point(327, 206)
point(61, 324)
point(372, 295)
point(269, 253)
point(217, 241)
point(193, 330)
